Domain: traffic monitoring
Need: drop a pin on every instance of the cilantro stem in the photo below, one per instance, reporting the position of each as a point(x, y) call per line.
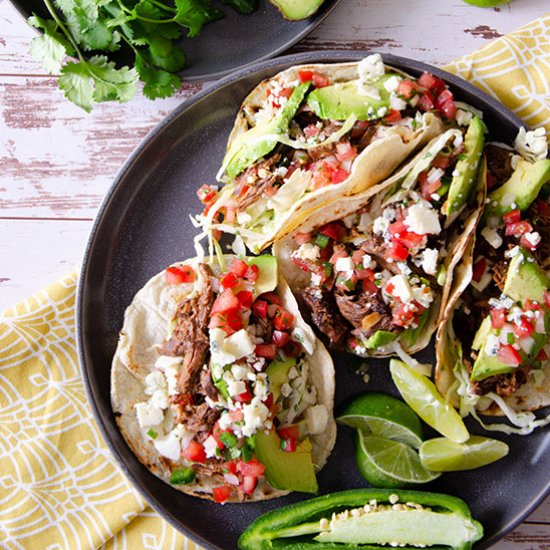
point(163, 6)
point(147, 20)
point(66, 32)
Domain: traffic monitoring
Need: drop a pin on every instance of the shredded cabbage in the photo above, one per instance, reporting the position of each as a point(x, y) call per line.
point(422, 368)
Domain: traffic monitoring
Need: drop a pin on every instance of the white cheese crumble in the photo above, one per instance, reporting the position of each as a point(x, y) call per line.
point(307, 251)
point(492, 345)
point(533, 238)
point(210, 447)
point(463, 117)
point(422, 220)
point(148, 415)
point(397, 104)
point(344, 264)
point(532, 145)
point(367, 90)
point(173, 443)
point(429, 260)
point(392, 83)
point(490, 234)
point(402, 289)
point(368, 262)
point(370, 68)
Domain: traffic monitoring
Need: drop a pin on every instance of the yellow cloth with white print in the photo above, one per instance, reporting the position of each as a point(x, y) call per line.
point(59, 485)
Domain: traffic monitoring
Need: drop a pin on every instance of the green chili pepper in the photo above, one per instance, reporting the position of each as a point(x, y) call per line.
point(182, 476)
point(322, 240)
point(366, 517)
point(152, 434)
point(228, 439)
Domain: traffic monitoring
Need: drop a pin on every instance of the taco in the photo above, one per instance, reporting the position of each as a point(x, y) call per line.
point(373, 270)
point(313, 133)
point(493, 344)
point(218, 385)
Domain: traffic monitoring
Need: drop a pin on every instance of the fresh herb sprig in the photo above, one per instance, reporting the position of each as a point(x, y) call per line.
point(147, 29)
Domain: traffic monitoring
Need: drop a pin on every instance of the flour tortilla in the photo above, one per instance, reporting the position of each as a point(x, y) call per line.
point(378, 196)
point(375, 163)
point(145, 326)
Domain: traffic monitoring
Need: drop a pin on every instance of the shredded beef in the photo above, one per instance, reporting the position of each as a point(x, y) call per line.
point(499, 163)
point(500, 270)
point(190, 335)
point(538, 215)
point(211, 468)
point(200, 418)
point(250, 186)
point(207, 387)
point(324, 314)
point(502, 384)
point(264, 328)
point(355, 307)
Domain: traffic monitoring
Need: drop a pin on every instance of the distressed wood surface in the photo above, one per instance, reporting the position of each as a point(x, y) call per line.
point(56, 162)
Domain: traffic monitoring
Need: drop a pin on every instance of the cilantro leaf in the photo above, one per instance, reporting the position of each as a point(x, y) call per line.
point(242, 6)
point(194, 14)
point(164, 54)
point(75, 81)
point(110, 82)
point(158, 83)
point(51, 47)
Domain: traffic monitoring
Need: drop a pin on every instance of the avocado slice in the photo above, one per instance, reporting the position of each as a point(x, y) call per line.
point(525, 280)
point(277, 371)
point(380, 338)
point(521, 189)
point(283, 470)
point(343, 99)
point(267, 276)
point(466, 168)
point(297, 9)
point(262, 139)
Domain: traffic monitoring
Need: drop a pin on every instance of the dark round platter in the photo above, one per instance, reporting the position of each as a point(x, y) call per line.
point(230, 44)
point(144, 225)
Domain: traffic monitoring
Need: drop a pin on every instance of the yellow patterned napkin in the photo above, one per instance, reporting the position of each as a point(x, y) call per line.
point(59, 486)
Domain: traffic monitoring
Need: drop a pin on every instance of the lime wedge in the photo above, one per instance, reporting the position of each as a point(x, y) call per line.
point(422, 396)
point(487, 3)
point(442, 455)
point(382, 415)
point(387, 463)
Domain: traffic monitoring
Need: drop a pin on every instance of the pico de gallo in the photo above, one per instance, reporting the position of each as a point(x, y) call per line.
point(235, 367)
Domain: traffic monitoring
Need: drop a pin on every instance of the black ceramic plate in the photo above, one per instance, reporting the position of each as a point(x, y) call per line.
point(144, 225)
point(231, 43)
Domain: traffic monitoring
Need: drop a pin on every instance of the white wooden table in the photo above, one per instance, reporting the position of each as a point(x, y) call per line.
point(57, 162)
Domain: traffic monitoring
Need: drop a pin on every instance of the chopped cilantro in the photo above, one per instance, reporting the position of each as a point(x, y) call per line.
point(228, 439)
point(152, 434)
point(322, 241)
point(182, 476)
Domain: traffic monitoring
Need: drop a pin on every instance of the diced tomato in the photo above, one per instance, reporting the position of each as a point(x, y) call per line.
point(368, 285)
point(259, 308)
point(301, 238)
point(425, 102)
point(194, 452)
point(345, 151)
point(225, 302)
point(509, 355)
point(238, 267)
point(542, 356)
point(524, 329)
point(243, 190)
point(289, 431)
point(431, 82)
point(216, 432)
point(305, 75)
point(526, 243)
point(231, 467)
point(397, 252)
point(321, 177)
point(393, 116)
point(269, 351)
point(359, 128)
point(518, 229)
point(272, 298)
point(252, 273)
point(286, 92)
point(312, 130)
point(339, 175)
point(428, 188)
point(293, 349)
point(206, 193)
point(514, 216)
point(403, 315)
point(479, 269)
point(390, 287)
point(529, 305)
point(365, 274)
point(407, 88)
point(229, 280)
point(334, 230)
point(357, 257)
point(249, 484)
point(280, 338)
point(441, 161)
point(288, 444)
point(180, 274)
point(246, 298)
point(230, 321)
point(283, 319)
point(244, 397)
point(445, 102)
point(301, 264)
point(251, 468)
point(319, 81)
point(401, 234)
point(546, 298)
point(221, 494)
point(498, 318)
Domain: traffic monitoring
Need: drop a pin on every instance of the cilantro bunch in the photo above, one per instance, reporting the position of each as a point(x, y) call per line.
point(90, 31)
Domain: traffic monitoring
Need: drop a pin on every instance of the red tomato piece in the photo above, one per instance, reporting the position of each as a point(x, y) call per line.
point(514, 216)
point(312, 130)
point(301, 264)
point(180, 274)
point(403, 315)
point(479, 269)
point(259, 309)
point(334, 230)
point(546, 298)
point(407, 88)
point(425, 102)
point(246, 298)
point(526, 243)
point(428, 188)
point(393, 116)
point(305, 75)
point(244, 397)
point(249, 484)
point(509, 355)
point(229, 280)
point(280, 338)
point(339, 175)
point(252, 273)
point(225, 302)
point(283, 319)
point(441, 161)
point(319, 81)
point(238, 267)
point(524, 329)
point(345, 151)
point(518, 229)
point(390, 287)
point(269, 351)
point(542, 356)
point(445, 102)
point(216, 432)
point(231, 467)
point(397, 252)
point(529, 305)
point(272, 298)
point(293, 349)
point(365, 274)
point(221, 494)
point(251, 468)
point(289, 431)
point(194, 452)
point(302, 238)
point(288, 444)
point(431, 82)
point(498, 318)
point(369, 286)
point(206, 193)
point(400, 234)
